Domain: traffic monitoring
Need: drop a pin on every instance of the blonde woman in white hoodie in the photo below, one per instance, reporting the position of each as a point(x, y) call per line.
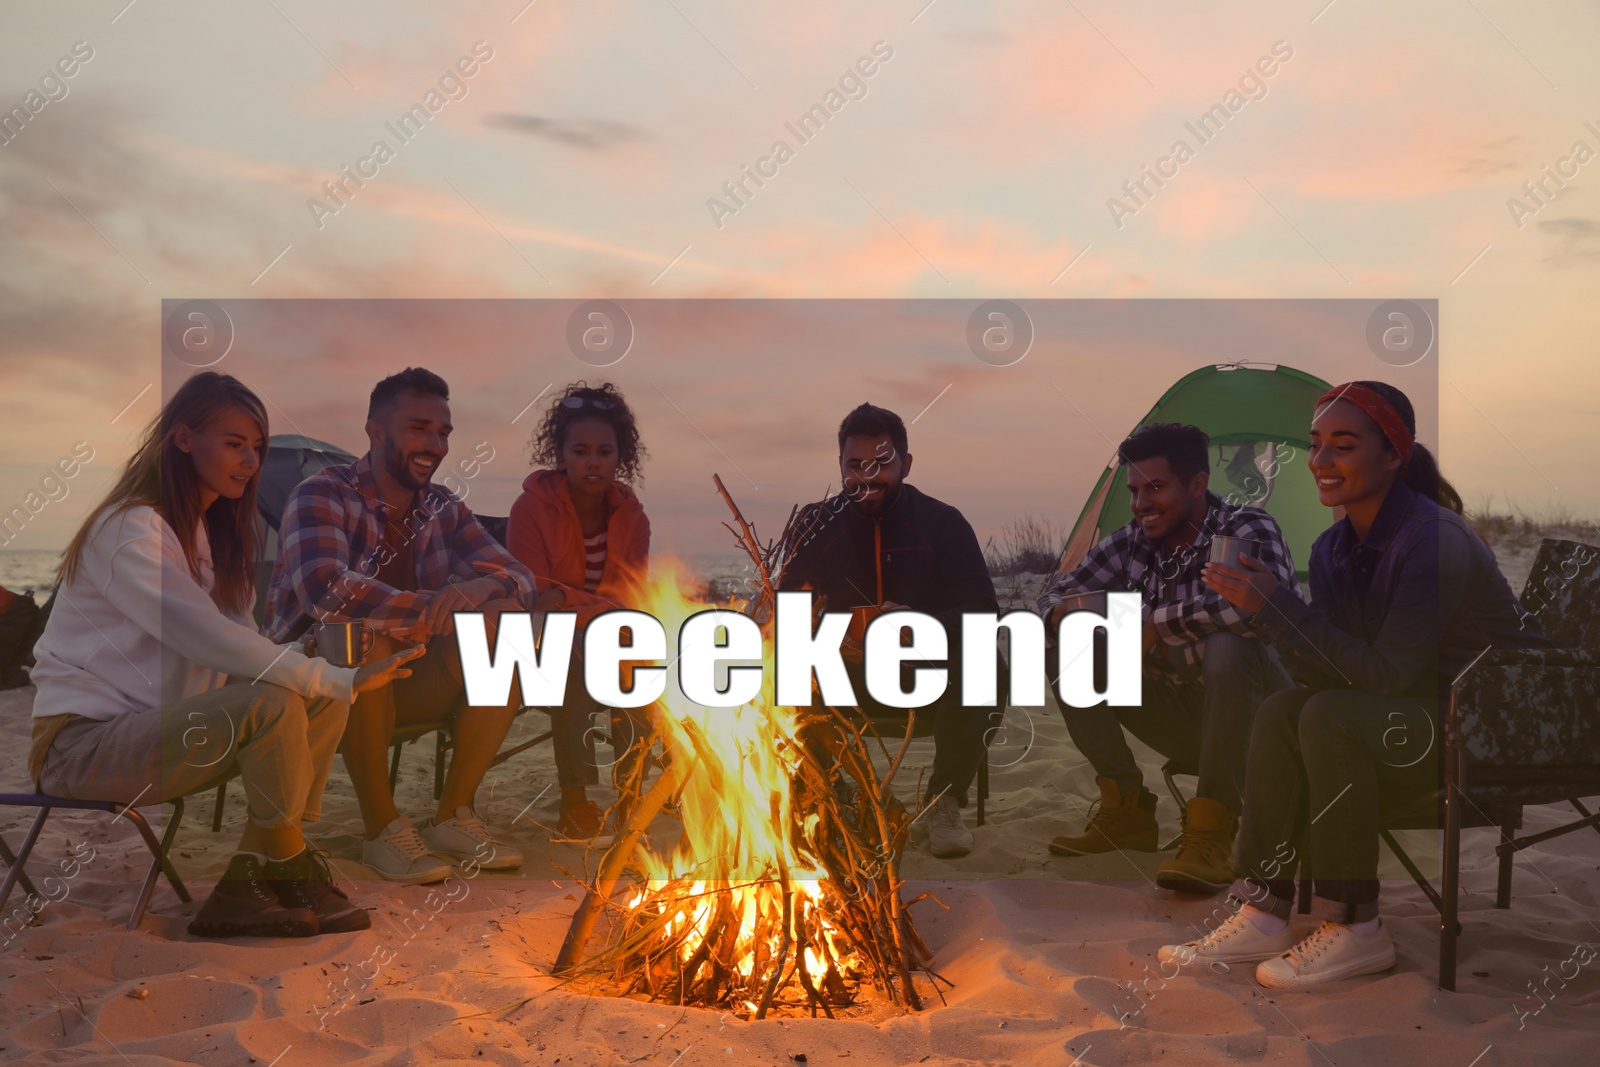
point(153, 679)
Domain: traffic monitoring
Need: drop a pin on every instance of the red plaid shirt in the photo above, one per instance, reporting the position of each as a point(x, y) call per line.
point(330, 545)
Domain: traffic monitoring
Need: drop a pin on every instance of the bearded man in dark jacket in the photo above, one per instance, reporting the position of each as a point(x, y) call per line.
point(879, 545)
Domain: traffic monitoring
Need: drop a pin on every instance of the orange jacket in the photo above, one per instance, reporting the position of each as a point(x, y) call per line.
point(545, 535)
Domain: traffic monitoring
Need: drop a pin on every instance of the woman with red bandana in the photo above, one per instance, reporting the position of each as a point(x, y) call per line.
point(1404, 594)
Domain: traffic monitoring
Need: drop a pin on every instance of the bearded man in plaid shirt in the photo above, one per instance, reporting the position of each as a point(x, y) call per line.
point(377, 542)
point(1206, 669)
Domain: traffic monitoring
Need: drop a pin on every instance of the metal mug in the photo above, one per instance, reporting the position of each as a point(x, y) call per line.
point(1227, 550)
point(860, 618)
point(1094, 601)
point(344, 644)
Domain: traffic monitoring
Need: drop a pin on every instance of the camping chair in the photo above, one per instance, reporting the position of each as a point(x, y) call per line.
point(1520, 730)
point(1522, 726)
point(1399, 811)
point(159, 863)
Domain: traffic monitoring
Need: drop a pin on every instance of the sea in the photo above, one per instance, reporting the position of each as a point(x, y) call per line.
point(34, 569)
point(22, 570)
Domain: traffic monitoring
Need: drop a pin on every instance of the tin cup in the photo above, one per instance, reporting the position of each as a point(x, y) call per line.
point(1227, 550)
point(1094, 601)
point(860, 617)
point(344, 644)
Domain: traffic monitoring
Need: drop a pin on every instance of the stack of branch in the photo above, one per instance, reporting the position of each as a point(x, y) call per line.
point(691, 941)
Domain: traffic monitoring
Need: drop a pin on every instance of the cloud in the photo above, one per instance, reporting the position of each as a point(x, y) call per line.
point(1579, 242)
point(594, 135)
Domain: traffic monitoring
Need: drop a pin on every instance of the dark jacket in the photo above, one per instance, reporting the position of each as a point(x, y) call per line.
point(930, 558)
point(1401, 613)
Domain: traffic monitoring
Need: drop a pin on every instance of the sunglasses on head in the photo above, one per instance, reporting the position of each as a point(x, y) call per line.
point(577, 403)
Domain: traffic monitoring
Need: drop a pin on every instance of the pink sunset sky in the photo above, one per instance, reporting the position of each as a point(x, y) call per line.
point(979, 160)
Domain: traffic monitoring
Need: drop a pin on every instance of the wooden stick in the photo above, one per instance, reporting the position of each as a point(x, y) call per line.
point(783, 939)
point(583, 920)
point(748, 539)
point(813, 998)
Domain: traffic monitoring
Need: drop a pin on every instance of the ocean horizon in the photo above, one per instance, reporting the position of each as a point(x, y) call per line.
point(34, 569)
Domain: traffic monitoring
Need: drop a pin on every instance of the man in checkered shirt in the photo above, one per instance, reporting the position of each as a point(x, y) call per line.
point(377, 542)
point(1206, 670)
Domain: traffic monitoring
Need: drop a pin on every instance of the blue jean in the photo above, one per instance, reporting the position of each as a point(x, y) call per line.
point(1202, 720)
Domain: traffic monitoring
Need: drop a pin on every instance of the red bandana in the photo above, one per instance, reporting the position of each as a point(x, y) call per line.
point(1382, 412)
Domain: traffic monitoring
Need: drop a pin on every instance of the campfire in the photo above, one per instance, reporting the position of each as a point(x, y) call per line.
point(783, 893)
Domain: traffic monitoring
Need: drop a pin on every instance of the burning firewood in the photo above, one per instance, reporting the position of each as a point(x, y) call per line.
point(785, 892)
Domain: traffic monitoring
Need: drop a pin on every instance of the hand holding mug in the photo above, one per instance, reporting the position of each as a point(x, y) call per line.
point(1247, 587)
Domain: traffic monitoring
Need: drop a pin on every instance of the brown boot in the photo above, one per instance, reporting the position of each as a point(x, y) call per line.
point(1127, 823)
point(1204, 863)
point(306, 881)
point(244, 904)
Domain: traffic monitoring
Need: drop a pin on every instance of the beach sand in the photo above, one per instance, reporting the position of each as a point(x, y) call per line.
point(1052, 959)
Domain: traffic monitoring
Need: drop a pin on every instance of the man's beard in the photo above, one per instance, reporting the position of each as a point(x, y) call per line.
point(876, 506)
point(398, 465)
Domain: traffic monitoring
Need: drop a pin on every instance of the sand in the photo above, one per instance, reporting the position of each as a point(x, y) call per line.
point(1053, 959)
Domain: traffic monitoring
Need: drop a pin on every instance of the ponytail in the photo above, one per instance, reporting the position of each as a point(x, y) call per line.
point(1422, 475)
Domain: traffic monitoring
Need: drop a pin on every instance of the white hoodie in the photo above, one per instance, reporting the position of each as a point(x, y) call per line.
point(133, 630)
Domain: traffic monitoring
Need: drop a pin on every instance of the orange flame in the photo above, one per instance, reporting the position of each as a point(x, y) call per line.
point(739, 823)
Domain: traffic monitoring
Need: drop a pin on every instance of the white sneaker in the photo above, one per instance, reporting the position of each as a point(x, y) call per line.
point(948, 836)
point(1331, 953)
point(465, 837)
point(1238, 940)
point(399, 855)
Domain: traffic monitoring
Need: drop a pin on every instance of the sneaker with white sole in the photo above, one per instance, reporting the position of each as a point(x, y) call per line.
point(400, 855)
point(1329, 954)
point(1238, 940)
point(465, 837)
point(948, 836)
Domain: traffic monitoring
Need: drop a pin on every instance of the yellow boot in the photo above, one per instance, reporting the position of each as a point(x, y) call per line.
point(1127, 823)
point(1204, 863)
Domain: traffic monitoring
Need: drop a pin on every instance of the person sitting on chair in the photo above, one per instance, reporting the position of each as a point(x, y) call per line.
point(1206, 670)
point(1404, 595)
point(585, 537)
point(376, 542)
point(154, 620)
point(882, 544)
point(19, 618)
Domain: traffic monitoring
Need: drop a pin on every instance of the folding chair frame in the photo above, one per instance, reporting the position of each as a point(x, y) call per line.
point(46, 804)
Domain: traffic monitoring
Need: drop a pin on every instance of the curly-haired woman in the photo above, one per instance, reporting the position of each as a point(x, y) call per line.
point(585, 536)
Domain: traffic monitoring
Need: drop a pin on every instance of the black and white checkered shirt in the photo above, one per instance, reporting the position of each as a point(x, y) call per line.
point(1183, 610)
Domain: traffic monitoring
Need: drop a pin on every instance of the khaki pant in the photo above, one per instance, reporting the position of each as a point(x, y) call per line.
point(281, 743)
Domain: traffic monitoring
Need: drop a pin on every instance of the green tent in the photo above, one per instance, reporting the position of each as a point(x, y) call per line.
point(1257, 416)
